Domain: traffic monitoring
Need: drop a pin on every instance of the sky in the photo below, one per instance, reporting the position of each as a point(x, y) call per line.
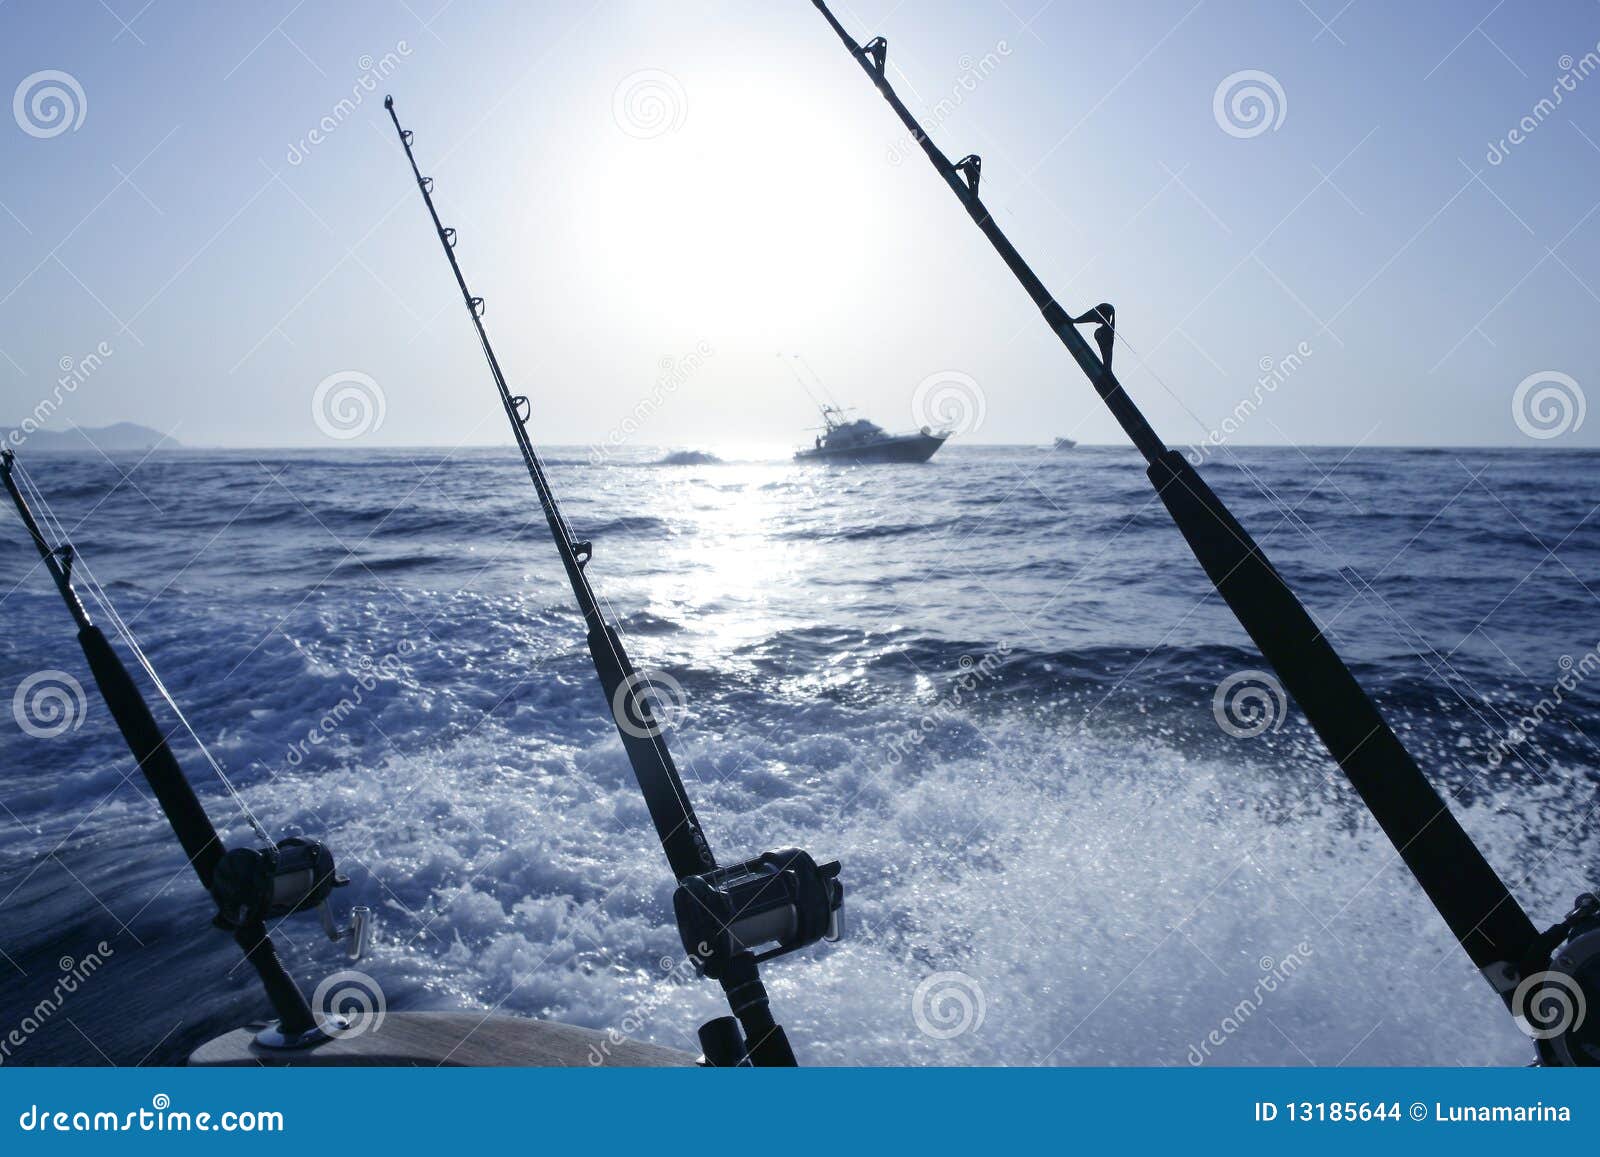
point(664, 203)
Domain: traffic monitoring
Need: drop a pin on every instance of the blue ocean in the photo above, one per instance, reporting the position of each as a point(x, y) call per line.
point(997, 687)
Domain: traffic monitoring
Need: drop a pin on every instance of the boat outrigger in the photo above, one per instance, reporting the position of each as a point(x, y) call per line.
point(861, 441)
point(1537, 974)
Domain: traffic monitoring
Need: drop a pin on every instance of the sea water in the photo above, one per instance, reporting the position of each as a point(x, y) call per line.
point(989, 685)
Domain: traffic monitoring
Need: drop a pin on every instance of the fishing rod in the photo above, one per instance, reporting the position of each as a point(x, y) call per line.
point(730, 919)
point(249, 885)
point(1528, 969)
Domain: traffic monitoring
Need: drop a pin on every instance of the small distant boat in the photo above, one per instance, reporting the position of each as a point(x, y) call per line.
point(864, 441)
point(1065, 443)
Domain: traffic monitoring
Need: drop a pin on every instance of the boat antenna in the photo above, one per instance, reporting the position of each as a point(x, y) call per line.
point(725, 915)
point(249, 885)
point(1524, 966)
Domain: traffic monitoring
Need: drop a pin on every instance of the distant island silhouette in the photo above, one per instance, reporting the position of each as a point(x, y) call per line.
point(120, 436)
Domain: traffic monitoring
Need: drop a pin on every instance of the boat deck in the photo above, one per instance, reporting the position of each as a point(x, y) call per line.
point(452, 1039)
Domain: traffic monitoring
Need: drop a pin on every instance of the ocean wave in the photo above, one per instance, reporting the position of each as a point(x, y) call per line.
point(990, 692)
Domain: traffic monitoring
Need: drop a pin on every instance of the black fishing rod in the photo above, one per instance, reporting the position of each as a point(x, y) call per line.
point(1489, 923)
point(250, 885)
point(783, 898)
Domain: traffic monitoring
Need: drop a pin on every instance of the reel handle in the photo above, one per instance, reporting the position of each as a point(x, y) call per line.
point(356, 932)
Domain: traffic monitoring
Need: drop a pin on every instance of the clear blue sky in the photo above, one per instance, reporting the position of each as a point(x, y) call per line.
point(229, 278)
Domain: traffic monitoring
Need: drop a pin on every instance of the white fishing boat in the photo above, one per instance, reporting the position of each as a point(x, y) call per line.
point(864, 441)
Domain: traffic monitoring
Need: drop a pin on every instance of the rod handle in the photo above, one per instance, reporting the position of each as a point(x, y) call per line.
point(766, 1044)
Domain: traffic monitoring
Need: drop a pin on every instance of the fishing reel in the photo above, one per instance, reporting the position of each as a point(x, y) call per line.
point(253, 885)
point(769, 906)
point(1557, 1002)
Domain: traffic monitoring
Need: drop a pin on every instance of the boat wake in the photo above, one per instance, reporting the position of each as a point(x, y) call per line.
point(1025, 777)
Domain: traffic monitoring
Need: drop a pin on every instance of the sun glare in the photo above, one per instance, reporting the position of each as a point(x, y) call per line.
point(726, 216)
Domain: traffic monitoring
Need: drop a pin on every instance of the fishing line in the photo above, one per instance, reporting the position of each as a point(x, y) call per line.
point(1492, 928)
point(730, 919)
point(1438, 664)
point(525, 443)
point(547, 501)
point(102, 599)
point(248, 885)
point(1291, 515)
